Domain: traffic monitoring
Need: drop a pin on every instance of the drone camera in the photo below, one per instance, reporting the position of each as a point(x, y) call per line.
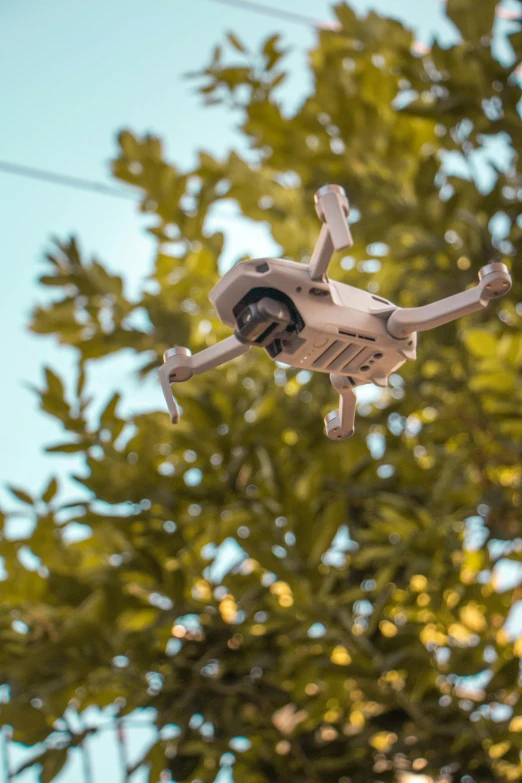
point(263, 321)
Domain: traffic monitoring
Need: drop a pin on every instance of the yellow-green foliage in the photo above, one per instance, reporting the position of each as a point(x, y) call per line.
point(414, 605)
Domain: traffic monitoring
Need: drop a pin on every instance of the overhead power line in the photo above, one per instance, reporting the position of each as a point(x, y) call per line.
point(63, 179)
point(281, 13)
point(320, 24)
point(77, 183)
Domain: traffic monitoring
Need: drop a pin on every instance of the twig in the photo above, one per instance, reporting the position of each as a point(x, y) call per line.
point(122, 750)
point(5, 753)
point(86, 759)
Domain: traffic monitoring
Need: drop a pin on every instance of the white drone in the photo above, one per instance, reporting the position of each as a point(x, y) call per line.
point(307, 321)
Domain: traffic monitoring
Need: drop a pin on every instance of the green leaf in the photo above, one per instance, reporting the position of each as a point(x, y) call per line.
point(21, 495)
point(29, 724)
point(271, 51)
point(512, 427)
point(278, 80)
point(505, 674)
point(480, 343)
point(328, 524)
point(108, 415)
point(66, 448)
point(501, 381)
point(236, 43)
point(183, 766)
point(137, 620)
point(80, 383)
point(50, 491)
point(54, 384)
point(52, 763)
point(376, 555)
point(474, 20)
point(156, 762)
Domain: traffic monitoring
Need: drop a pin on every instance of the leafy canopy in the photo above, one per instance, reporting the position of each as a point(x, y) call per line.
point(362, 631)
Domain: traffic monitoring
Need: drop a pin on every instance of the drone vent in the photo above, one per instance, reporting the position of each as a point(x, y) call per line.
point(328, 354)
point(345, 357)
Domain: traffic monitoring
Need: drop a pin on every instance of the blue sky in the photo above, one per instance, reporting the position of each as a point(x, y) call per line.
point(74, 73)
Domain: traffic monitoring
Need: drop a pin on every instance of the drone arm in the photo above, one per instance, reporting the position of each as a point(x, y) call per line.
point(494, 281)
point(333, 208)
point(217, 354)
point(322, 254)
point(179, 365)
point(340, 424)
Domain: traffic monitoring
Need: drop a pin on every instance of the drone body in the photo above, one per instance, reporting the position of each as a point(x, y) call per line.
point(309, 322)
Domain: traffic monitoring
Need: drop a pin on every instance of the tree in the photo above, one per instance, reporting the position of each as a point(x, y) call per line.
point(363, 630)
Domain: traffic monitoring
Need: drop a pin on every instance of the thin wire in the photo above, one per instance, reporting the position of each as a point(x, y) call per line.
point(280, 13)
point(81, 184)
point(64, 180)
point(78, 183)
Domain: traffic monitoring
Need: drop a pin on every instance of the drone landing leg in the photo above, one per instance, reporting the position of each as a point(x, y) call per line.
point(179, 365)
point(340, 424)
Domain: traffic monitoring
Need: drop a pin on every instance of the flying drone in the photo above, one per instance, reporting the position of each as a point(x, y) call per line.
point(305, 320)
